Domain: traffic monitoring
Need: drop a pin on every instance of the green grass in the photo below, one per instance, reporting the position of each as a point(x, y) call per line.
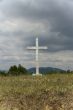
point(47, 89)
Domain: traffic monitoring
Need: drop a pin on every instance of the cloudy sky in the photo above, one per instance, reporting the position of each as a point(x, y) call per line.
point(21, 21)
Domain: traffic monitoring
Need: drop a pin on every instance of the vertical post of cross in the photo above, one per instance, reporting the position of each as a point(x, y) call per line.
point(37, 48)
point(37, 57)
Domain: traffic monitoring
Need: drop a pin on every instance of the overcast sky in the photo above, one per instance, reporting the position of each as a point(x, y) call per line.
point(21, 21)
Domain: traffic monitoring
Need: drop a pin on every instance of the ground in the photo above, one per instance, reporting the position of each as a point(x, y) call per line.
point(48, 92)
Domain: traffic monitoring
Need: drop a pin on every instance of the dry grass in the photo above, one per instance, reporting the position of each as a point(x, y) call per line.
point(50, 92)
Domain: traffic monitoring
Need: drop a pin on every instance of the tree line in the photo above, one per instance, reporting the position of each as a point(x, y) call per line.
point(15, 70)
point(20, 70)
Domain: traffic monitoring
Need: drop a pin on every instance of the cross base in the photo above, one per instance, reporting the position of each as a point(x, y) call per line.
point(36, 74)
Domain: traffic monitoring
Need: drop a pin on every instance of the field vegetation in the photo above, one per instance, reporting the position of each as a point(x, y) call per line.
point(25, 92)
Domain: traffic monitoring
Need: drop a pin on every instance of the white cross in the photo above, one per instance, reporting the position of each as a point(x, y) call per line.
point(37, 48)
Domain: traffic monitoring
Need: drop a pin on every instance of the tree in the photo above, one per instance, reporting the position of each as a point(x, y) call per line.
point(14, 70)
point(21, 69)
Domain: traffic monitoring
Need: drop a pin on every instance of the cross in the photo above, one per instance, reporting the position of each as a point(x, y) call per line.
point(37, 48)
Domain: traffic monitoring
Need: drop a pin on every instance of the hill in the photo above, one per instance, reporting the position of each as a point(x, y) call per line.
point(44, 70)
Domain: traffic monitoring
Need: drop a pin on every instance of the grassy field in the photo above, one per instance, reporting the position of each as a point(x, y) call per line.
point(50, 92)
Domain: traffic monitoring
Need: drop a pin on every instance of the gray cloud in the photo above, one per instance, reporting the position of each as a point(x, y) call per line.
point(22, 20)
point(58, 13)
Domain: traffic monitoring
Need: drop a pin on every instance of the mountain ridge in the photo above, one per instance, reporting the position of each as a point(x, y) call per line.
point(46, 70)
